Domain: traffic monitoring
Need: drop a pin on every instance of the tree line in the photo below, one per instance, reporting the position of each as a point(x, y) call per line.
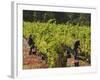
point(57, 17)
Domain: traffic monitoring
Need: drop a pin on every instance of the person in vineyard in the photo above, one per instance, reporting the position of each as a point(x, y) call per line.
point(76, 54)
point(31, 44)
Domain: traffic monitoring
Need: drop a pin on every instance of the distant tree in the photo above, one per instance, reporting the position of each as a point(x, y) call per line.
point(59, 17)
point(85, 19)
point(27, 15)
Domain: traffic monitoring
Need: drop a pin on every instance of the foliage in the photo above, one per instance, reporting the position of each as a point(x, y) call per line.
point(49, 36)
